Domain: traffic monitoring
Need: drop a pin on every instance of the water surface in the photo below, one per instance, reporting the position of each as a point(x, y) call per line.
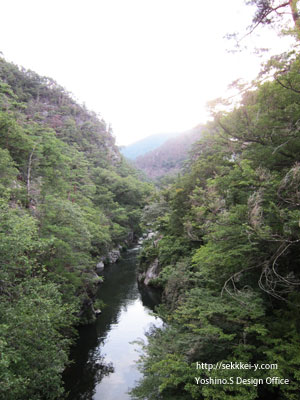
point(104, 356)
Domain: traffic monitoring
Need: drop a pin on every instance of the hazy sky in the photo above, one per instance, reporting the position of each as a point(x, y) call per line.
point(147, 66)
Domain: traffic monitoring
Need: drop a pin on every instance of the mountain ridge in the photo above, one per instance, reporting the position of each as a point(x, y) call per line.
point(168, 158)
point(145, 145)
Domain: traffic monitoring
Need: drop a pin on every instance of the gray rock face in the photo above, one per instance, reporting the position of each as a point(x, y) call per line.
point(113, 256)
point(152, 272)
point(147, 236)
point(99, 267)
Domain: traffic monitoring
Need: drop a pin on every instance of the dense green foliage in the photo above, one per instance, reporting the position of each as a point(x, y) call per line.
point(228, 240)
point(67, 197)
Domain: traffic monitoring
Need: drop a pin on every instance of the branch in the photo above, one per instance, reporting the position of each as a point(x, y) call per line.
point(286, 87)
point(274, 263)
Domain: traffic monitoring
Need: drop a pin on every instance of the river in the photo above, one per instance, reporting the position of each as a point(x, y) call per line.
point(104, 357)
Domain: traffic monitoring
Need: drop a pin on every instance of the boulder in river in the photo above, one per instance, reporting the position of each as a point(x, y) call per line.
point(100, 267)
point(113, 256)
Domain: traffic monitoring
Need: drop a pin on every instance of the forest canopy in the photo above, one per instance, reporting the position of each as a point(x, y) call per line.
point(227, 246)
point(67, 198)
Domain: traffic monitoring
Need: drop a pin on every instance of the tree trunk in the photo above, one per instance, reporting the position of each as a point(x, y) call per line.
point(295, 15)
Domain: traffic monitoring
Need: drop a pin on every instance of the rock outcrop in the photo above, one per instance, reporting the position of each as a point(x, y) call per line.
point(99, 267)
point(113, 256)
point(151, 273)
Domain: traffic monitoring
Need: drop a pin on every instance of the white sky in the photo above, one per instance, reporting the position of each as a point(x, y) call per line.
point(147, 66)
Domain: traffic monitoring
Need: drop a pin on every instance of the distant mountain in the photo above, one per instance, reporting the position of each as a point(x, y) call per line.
point(144, 145)
point(168, 158)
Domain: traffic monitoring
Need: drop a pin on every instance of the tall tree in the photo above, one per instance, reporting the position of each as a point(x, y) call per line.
point(273, 11)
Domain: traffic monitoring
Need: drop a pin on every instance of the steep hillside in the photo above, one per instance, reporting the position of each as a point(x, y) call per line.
point(142, 146)
point(225, 249)
point(68, 201)
point(168, 158)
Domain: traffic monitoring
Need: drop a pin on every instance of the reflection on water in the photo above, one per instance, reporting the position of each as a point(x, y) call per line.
point(104, 357)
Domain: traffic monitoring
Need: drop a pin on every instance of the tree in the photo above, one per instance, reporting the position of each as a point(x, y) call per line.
point(273, 11)
point(283, 15)
point(35, 327)
point(233, 294)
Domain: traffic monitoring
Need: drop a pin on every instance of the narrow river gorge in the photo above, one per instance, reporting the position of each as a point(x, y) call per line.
point(104, 357)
